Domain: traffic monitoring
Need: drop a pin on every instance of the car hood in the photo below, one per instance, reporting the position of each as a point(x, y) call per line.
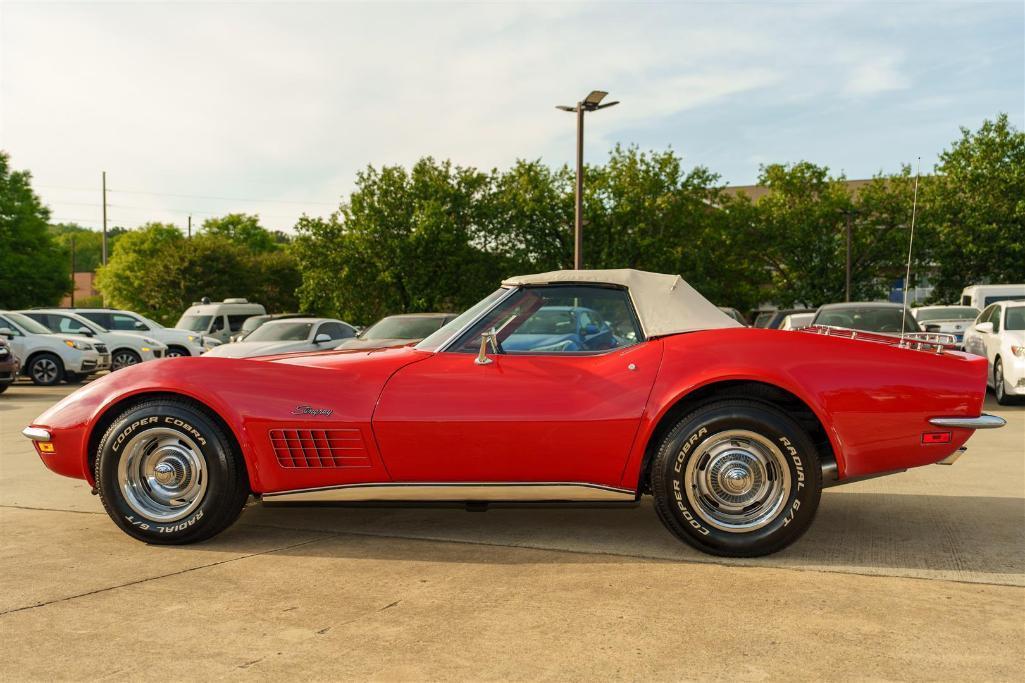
point(374, 343)
point(244, 349)
point(123, 338)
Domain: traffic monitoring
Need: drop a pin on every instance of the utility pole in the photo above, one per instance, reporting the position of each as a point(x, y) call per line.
point(73, 270)
point(104, 218)
point(849, 232)
point(190, 226)
point(590, 103)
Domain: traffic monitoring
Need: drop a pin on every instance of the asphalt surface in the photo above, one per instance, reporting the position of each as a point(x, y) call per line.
point(919, 575)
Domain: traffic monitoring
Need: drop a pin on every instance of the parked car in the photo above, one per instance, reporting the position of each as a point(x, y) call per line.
point(797, 321)
point(946, 319)
point(398, 330)
point(253, 322)
point(218, 319)
point(10, 366)
point(179, 342)
point(868, 316)
point(46, 357)
point(771, 320)
point(292, 335)
point(125, 349)
point(998, 334)
point(735, 314)
point(981, 296)
point(733, 431)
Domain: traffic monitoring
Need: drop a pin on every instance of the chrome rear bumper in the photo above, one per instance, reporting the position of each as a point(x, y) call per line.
point(984, 421)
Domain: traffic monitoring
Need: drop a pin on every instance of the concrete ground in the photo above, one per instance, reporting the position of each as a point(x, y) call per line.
point(919, 575)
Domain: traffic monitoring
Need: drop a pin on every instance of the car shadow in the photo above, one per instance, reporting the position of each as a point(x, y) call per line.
point(970, 538)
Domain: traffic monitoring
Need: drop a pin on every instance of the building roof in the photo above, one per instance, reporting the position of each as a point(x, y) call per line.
point(756, 192)
point(665, 304)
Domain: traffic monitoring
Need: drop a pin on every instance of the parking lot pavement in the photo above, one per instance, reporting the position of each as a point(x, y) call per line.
point(918, 575)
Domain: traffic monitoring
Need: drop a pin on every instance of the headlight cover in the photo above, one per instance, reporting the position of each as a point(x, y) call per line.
point(81, 346)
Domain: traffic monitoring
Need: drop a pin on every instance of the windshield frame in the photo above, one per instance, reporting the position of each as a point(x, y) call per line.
point(448, 333)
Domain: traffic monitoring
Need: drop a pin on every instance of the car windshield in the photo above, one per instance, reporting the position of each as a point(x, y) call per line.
point(195, 323)
point(868, 319)
point(1015, 318)
point(280, 331)
point(403, 327)
point(254, 322)
point(82, 321)
point(445, 332)
point(153, 325)
point(763, 319)
point(27, 323)
point(551, 321)
point(948, 313)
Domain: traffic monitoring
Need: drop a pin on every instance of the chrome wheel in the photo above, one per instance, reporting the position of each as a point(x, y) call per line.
point(737, 481)
point(162, 474)
point(45, 371)
point(122, 359)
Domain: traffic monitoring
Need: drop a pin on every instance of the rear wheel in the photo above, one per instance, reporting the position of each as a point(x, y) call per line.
point(122, 358)
point(46, 369)
point(177, 352)
point(999, 385)
point(736, 478)
point(167, 474)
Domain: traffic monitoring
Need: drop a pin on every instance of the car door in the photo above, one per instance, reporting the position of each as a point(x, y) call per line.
point(974, 339)
point(521, 416)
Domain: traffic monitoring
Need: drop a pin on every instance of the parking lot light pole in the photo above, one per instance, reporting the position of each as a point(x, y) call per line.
point(590, 103)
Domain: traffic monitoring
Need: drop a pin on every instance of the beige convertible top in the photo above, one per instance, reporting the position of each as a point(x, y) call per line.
point(665, 304)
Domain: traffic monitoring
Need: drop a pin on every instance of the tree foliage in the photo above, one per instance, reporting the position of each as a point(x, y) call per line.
point(87, 244)
point(975, 209)
point(33, 271)
point(242, 229)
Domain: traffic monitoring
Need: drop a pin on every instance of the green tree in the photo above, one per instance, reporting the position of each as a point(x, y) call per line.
point(404, 241)
point(974, 215)
point(88, 244)
point(129, 278)
point(244, 230)
point(33, 271)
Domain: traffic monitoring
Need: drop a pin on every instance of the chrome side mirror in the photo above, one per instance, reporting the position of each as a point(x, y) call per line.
point(482, 354)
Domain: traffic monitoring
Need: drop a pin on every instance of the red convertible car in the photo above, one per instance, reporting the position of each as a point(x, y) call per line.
point(733, 431)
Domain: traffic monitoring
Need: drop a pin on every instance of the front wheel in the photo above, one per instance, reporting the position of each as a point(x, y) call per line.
point(46, 369)
point(999, 385)
point(736, 478)
point(122, 358)
point(167, 474)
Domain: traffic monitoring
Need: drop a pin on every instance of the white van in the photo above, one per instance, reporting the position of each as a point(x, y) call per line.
point(981, 296)
point(218, 319)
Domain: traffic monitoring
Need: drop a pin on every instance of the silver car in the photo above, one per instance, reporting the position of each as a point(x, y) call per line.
point(125, 349)
point(292, 335)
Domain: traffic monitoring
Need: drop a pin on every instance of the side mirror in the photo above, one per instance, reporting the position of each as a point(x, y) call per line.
point(6, 332)
point(321, 338)
point(986, 328)
point(482, 354)
point(139, 325)
point(86, 332)
point(591, 328)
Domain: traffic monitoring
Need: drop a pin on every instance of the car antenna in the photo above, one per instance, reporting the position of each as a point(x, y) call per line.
point(911, 241)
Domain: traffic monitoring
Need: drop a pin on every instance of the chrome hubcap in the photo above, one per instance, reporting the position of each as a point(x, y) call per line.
point(162, 475)
point(44, 370)
point(737, 481)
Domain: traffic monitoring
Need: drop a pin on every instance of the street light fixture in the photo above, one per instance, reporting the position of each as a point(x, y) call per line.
point(590, 103)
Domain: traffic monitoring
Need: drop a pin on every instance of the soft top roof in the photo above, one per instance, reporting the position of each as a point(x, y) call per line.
point(665, 304)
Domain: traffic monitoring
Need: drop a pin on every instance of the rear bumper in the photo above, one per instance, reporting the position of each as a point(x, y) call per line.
point(984, 421)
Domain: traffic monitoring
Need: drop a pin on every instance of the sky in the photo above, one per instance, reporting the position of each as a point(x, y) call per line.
point(272, 108)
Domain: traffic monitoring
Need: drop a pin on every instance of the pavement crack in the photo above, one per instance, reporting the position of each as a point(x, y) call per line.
point(161, 576)
point(35, 509)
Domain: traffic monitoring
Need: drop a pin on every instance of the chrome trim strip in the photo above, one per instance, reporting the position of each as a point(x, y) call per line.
point(984, 421)
point(459, 333)
point(456, 492)
point(952, 458)
point(36, 434)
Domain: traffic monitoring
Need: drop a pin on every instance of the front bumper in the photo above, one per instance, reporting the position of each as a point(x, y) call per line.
point(1014, 375)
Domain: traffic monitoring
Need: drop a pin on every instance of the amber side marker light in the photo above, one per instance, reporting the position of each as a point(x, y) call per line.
point(44, 446)
point(936, 437)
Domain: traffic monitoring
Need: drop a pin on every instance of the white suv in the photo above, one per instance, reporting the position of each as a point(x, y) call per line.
point(125, 349)
point(999, 335)
point(47, 358)
point(179, 342)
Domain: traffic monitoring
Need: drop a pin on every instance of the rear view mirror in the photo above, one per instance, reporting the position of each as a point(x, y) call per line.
point(321, 338)
point(985, 327)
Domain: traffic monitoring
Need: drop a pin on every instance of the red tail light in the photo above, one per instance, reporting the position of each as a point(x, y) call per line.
point(936, 437)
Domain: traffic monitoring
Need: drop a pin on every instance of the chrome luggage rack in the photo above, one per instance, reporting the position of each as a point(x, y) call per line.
point(937, 342)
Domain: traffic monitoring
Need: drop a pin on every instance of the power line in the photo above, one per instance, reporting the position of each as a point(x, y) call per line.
point(190, 196)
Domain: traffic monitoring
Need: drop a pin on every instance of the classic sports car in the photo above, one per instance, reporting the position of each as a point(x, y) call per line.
point(733, 431)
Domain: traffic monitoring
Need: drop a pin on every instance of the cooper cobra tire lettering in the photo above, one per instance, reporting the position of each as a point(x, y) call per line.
point(681, 485)
point(187, 427)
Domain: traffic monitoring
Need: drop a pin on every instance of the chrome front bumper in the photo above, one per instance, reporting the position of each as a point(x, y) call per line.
point(984, 421)
point(36, 434)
